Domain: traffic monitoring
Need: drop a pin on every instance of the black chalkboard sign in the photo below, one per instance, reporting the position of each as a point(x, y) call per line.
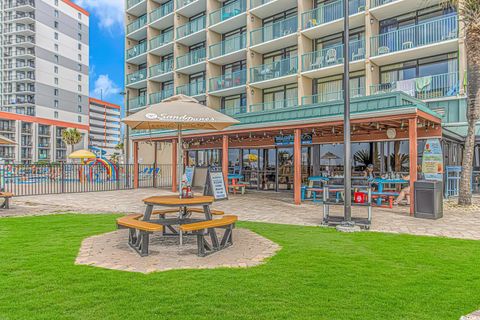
point(215, 185)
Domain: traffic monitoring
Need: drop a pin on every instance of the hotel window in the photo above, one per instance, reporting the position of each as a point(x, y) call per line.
point(79, 118)
point(79, 77)
point(56, 2)
point(79, 88)
point(56, 13)
point(55, 80)
point(79, 108)
point(55, 69)
point(280, 97)
point(79, 26)
point(55, 104)
point(55, 46)
point(55, 24)
point(55, 35)
point(79, 57)
point(331, 88)
point(79, 46)
point(79, 36)
point(280, 55)
point(55, 92)
point(234, 104)
point(79, 16)
point(79, 98)
point(55, 57)
point(55, 114)
point(79, 67)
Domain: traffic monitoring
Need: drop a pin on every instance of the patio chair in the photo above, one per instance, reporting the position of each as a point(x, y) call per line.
point(407, 45)
point(383, 50)
point(331, 56)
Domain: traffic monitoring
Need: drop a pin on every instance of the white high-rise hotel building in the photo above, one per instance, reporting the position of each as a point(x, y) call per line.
point(44, 54)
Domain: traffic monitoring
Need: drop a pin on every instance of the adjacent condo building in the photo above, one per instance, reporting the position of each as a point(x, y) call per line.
point(44, 54)
point(277, 66)
point(104, 125)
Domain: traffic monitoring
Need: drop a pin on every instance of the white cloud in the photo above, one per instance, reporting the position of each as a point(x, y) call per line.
point(109, 12)
point(105, 87)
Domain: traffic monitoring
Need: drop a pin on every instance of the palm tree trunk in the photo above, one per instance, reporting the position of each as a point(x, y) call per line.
point(473, 114)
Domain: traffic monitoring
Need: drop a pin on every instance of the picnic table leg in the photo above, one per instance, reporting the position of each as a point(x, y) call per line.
point(148, 212)
point(208, 213)
point(380, 190)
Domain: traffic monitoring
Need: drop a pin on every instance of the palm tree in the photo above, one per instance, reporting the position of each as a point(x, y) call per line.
point(71, 137)
point(469, 12)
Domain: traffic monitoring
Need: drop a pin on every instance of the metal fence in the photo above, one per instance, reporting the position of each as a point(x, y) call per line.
point(25, 180)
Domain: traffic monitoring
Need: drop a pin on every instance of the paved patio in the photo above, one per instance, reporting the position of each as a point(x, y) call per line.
point(258, 206)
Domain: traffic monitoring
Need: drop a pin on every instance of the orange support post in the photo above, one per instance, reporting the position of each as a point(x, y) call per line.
point(297, 165)
point(174, 165)
point(225, 158)
point(412, 140)
point(135, 165)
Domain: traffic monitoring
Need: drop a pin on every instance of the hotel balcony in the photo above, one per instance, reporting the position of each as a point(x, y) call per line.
point(20, 43)
point(137, 79)
point(189, 8)
point(229, 51)
point(423, 88)
point(329, 61)
point(228, 84)
point(136, 7)
point(159, 96)
point(137, 54)
point(267, 8)
point(137, 30)
point(230, 17)
point(20, 66)
point(25, 30)
point(328, 18)
point(273, 105)
point(426, 39)
point(136, 104)
point(21, 17)
point(194, 89)
point(275, 73)
point(20, 5)
point(20, 78)
point(162, 17)
point(162, 71)
point(192, 62)
point(384, 9)
point(192, 32)
point(162, 44)
point(331, 96)
point(24, 54)
point(232, 111)
point(275, 36)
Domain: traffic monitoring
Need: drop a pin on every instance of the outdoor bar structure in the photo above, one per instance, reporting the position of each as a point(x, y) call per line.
point(278, 149)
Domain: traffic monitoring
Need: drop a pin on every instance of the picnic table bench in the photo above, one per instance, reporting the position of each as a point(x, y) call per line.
point(6, 199)
point(139, 232)
point(201, 229)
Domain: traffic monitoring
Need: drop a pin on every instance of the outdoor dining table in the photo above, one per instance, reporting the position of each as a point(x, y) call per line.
point(182, 204)
point(381, 182)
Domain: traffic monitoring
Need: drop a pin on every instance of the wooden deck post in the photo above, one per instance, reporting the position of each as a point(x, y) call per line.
point(225, 158)
point(412, 140)
point(174, 165)
point(135, 165)
point(297, 165)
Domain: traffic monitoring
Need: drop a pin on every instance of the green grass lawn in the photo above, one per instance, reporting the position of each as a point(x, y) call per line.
point(318, 274)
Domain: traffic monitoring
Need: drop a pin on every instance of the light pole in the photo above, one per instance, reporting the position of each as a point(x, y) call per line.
point(126, 93)
point(346, 117)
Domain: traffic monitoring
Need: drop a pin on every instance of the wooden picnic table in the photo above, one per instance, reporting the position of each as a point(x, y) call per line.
point(183, 215)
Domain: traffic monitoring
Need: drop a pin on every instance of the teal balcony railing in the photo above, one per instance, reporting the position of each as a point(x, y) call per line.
point(137, 76)
point(330, 96)
point(161, 40)
point(159, 96)
point(137, 24)
point(234, 110)
point(161, 68)
point(230, 10)
point(274, 31)
point(193, 57)
point(274, 70)
point(161, 11)
point(273, 105)
point(183, 3)
point(228, 46)
point(191, 27)
point(430, 32)
point(256, 3)
point(131, 3)
point(137, 50)
point(192, 89)
point(377, 3)
point(428, 87)
point(332, 56)
point(227, 81)
point(332, 11)
point(137, 103)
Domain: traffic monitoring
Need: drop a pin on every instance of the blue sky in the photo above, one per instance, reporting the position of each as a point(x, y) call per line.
point(106, 48)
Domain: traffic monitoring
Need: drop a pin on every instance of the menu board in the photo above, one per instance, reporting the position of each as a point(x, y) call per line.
point(189, 172)
point(215, 185)
point(432, 162)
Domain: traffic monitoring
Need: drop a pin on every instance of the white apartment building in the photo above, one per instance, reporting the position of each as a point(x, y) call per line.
point(104, 125)
point(43, 77)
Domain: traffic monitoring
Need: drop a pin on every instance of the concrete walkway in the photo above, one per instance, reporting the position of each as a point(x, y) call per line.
point(258, 206)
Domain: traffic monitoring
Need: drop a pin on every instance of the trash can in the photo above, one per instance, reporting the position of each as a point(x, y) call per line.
point(428, 199)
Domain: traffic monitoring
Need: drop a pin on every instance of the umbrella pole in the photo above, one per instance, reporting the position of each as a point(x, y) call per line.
point(180, 160)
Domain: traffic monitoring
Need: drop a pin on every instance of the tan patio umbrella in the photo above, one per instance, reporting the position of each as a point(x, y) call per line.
point(82, 154)
point(179, 112)
point(4, 140)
